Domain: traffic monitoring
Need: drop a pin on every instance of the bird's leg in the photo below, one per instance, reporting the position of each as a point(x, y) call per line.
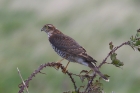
point(65, 69)
point(57, 67)
point(60, 60)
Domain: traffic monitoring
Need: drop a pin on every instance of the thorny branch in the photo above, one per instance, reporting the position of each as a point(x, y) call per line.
point(52, 64)
point(90, 82)
point(112, 51)
point(70, 75)
point(104, 61)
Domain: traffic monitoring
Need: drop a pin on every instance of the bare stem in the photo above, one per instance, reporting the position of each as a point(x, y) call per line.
point(113, 50)
point(22, 80)
point(72, 79)
point(90, 82)
point(70, 75)
point(104, 61)
point(41, 67)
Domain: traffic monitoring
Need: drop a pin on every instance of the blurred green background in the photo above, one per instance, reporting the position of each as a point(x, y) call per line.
point(92, 23)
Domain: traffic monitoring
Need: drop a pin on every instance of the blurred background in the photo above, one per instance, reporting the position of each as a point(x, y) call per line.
point(92, 23)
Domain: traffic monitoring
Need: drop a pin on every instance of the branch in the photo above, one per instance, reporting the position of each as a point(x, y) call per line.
point(104, 61)
point(90, 82)
point(72, 79)
point(22, 86)
point(113, 50)
point(70, 75)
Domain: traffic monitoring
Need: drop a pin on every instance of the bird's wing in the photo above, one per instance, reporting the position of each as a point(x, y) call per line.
point(66, 43)
point(69, 45)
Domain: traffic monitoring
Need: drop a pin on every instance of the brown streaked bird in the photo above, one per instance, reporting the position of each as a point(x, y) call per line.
point(69, 49)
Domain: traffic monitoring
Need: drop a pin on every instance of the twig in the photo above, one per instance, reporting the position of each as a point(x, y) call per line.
point(72, 79)
point(41, 67)
point(104, 61)
point(34, 74)
point(90, 82)
point(22, 80)
point(70, 75)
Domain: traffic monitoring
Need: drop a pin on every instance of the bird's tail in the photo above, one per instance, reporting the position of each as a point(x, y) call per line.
point(95, 68)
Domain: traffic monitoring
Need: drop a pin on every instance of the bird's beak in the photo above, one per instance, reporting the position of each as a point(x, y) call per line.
point(42, 29)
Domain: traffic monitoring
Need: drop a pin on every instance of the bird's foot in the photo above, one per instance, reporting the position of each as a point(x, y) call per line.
point(57, 67)
point(64, 70)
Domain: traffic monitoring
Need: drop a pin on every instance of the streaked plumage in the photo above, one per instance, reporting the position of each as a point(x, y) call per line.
point(68, 48)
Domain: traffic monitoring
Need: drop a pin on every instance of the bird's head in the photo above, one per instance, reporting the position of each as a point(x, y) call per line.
point(48, 28)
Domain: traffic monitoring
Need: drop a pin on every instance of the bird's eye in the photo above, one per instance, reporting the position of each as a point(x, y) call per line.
point(49, 27)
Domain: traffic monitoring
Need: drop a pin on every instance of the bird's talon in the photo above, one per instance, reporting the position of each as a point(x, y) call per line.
point(57, 67)
point(64, 71)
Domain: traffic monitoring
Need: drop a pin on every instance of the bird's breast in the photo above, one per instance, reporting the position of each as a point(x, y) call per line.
point(50, 33)
point(69, 57)
point(64, 54)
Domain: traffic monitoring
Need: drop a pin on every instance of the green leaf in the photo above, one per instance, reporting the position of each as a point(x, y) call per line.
point(113, 56)
point(111, 45)
point(139, 49)
point(132, 39)
point(138, 33)
point(117, 63)
point(121, 64)
point(137, 43)
point(131, 45)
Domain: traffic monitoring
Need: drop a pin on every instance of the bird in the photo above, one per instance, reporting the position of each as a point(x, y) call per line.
point(69, 49)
